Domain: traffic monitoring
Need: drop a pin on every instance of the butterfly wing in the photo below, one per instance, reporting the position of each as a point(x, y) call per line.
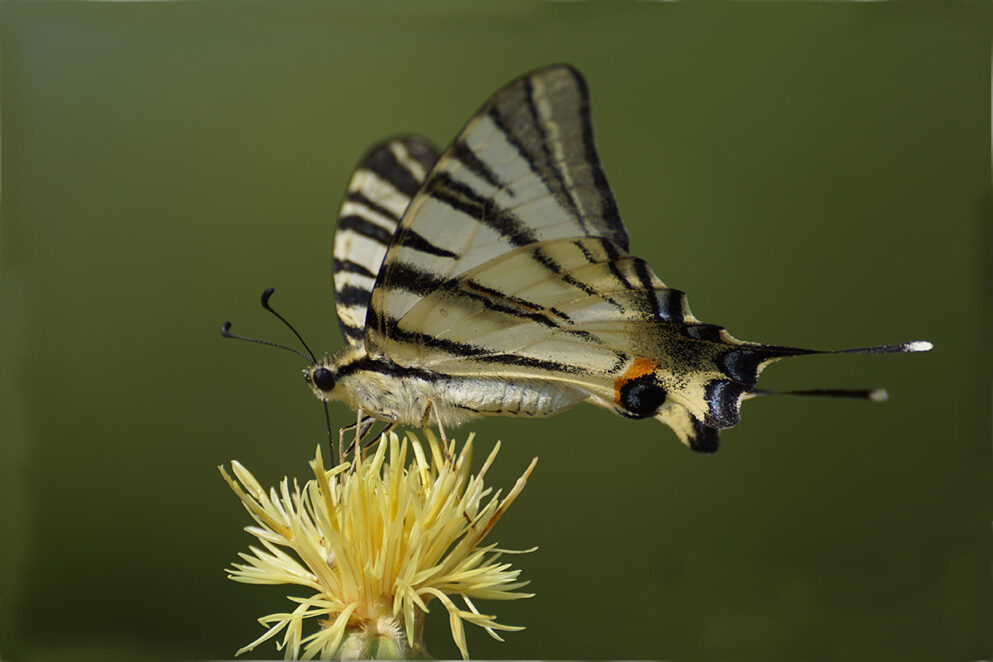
point(379, 192)
point(523, 170)
point(603, 322)
point(511, 262)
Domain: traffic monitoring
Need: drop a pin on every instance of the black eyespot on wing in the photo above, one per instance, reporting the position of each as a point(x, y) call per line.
point(723, 398)
point(706, 439)
point(323, 379)
point(642, 396)
point(742, 365)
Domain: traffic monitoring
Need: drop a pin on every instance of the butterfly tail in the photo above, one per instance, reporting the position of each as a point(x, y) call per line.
point(696, 409)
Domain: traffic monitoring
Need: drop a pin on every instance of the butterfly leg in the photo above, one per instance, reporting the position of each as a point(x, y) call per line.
point(426, 421)
point(347, 428)
point(386, 430)
point(362, 426)
point(358, 430)
point(426, 416)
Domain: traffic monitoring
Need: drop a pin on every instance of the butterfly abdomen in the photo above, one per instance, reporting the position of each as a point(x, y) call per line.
point(526, 398)
point(390, 392)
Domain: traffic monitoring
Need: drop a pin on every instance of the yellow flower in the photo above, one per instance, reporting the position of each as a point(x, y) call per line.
point(376, 542)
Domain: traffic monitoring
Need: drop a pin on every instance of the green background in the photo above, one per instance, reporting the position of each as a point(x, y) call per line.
point(814, 175)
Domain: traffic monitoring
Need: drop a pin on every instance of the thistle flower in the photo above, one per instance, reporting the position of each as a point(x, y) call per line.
point(376, 542)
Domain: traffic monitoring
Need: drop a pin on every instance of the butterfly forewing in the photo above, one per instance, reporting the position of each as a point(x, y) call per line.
point(523, 170)
point(379, 192)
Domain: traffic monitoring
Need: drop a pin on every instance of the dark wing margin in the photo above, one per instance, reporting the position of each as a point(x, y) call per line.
point(378, 194)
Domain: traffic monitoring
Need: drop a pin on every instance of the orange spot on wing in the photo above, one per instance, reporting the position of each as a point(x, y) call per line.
point(638, 368)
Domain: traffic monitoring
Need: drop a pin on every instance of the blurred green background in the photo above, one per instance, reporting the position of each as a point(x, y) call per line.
point(810, 174)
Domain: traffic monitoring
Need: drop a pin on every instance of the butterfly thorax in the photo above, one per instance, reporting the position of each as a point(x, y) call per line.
point(390, 392)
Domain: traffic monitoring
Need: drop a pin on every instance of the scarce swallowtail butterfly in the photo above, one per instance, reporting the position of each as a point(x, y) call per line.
point(495, 278)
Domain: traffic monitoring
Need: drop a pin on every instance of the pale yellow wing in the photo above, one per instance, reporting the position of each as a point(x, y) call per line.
point(603, 321)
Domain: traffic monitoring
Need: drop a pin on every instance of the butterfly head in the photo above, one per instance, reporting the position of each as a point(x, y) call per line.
point(325, 379)
point(328, 378)
point(321, 379)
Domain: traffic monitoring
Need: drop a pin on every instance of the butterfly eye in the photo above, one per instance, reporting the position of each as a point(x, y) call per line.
point(323, 379)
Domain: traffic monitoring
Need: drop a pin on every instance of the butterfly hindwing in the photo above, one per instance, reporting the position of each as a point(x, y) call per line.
point(603, 322)
point(379, 192)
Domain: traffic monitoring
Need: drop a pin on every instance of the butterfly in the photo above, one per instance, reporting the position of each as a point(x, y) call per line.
point(495, 278)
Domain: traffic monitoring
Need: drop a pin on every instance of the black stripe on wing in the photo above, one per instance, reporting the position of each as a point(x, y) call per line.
point(464, 155)
point(414, 240)
point(352, 267)
point(361, 225)
point(359, 197)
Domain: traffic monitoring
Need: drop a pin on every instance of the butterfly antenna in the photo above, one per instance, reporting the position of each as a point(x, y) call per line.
point(265, 304)
point(266, 295)
point(327, 419)
point(226, 333)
